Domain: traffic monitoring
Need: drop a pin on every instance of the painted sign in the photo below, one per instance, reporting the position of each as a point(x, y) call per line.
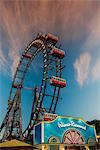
point(67, 130)
point(71, 124)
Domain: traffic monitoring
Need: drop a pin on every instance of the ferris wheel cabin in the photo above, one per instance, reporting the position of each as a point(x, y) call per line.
point(59, 82)
point(51, 38)
point(57, 53)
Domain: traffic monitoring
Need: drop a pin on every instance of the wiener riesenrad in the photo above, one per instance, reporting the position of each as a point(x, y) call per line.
point(11, 126)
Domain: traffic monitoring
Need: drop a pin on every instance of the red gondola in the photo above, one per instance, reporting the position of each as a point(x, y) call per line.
point(52, 38)
point(19, 86)
point(59, 82)
point(49, 117)
point(58, 53)
point(27, 55)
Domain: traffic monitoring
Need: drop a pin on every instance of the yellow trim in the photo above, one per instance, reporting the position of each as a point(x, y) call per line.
point(68, 117)
point(86, 146)
point(64, 144)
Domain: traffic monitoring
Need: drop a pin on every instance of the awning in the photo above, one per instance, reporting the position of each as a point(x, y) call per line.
point(14, 143)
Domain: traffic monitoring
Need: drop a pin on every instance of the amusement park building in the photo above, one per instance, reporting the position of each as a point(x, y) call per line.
point(64, 133)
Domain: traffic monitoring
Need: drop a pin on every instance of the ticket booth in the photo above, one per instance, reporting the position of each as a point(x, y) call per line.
point(64, 133)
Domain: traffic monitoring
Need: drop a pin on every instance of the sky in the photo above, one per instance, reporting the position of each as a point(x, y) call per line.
point(77, 24)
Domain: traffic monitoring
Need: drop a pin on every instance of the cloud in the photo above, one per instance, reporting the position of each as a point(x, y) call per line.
point(92, 45)
point(14, 55)
point(93, 39)
point(2, 57)
point(22, 20)
point(4, 67)
point(96, 71)
point(81, 66)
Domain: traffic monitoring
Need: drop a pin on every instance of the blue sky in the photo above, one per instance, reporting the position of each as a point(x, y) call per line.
point(77, 25)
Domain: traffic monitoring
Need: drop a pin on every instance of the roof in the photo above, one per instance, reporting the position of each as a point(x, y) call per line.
point(14, 143)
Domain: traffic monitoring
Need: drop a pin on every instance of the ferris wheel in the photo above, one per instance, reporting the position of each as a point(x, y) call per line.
point(51, 78)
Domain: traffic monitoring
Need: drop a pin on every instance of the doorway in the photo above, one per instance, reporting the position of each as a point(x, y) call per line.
point(54, 147)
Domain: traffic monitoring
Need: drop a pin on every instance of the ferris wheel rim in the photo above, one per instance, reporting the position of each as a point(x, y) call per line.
point(42, 46)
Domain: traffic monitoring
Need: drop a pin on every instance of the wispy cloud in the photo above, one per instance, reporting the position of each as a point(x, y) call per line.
point(2, 57)
point(15, 57)
point(92, 45)
point(81, 66)
point(93, 38)
point(20, 20)
point(4, 67)
point(96, 71)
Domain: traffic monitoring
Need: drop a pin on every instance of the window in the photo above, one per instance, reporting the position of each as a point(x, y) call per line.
point(54, 147)
point(53, 140)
